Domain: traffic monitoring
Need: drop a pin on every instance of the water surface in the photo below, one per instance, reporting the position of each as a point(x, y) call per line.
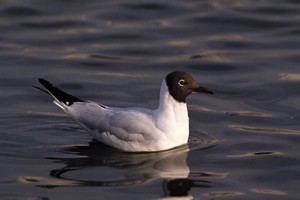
point(244, 141)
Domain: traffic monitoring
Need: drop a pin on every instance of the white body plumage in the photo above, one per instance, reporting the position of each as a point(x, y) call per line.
point(135, 129)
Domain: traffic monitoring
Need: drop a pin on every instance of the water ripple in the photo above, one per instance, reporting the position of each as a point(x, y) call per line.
point(252, 154)
point(265, 129)
point(20, 11)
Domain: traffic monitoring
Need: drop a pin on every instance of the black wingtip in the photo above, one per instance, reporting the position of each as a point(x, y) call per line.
point(45, 82)
point(57, 93)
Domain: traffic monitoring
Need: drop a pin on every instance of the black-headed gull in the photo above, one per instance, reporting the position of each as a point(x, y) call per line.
point(135, 129)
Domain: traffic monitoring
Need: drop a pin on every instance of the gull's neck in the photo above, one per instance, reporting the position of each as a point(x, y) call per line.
point(172, 115)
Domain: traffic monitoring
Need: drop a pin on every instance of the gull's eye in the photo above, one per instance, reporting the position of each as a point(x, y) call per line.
point(181, 82)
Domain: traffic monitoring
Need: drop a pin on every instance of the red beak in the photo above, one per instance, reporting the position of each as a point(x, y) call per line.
point(202, 90)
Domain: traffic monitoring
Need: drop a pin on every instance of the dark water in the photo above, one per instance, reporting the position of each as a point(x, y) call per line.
point(244, 140)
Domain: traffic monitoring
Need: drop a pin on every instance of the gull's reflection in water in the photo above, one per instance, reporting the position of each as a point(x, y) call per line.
point(99, 165)
point(135, 168)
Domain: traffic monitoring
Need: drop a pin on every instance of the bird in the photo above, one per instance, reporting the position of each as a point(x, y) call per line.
point(132, 129)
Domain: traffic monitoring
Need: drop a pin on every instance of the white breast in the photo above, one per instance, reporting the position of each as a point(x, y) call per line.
point(172, 118)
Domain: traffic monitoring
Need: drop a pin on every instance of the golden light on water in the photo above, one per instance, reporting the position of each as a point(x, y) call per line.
point(223, 193)
point(268, 191)
point(265, 129)
point(289, 76)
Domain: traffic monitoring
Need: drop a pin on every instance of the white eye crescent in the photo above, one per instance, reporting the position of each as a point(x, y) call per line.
point(181, 82)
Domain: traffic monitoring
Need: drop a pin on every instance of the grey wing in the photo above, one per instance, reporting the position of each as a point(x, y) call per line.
point(122, 124)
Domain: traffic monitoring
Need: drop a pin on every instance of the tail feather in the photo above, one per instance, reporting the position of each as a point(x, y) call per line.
point(59, 95)
point(42, 89)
